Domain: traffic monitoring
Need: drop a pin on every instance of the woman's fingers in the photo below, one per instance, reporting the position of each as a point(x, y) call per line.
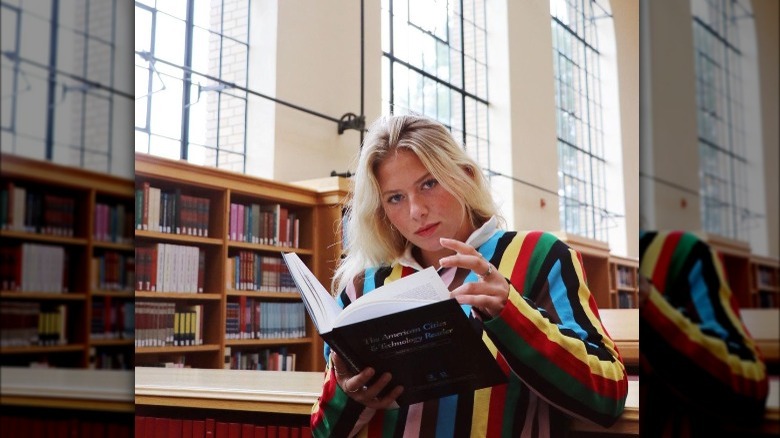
point(491, 292)
point(369, 396)
point(357, 385)
point(339, 366)
point(465, 256)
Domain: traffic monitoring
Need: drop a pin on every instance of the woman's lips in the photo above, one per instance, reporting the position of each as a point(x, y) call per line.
point(427, 230)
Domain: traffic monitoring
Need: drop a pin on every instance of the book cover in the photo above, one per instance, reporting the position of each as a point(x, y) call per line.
point(410, 328)
point(198, 428)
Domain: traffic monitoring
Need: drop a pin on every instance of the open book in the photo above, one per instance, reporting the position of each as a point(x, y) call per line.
point(410, 328)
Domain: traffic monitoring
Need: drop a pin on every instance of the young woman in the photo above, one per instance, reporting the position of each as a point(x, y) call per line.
point(419, 200)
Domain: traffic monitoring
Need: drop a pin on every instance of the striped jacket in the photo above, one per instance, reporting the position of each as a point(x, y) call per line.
point(697, 357)
point(548, 339)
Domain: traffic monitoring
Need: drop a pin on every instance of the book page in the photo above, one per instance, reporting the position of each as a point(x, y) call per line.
point(322, 307)
point(421, 288)
point(375, 309)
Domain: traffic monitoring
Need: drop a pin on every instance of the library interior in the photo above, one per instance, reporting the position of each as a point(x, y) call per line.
point(142, 288)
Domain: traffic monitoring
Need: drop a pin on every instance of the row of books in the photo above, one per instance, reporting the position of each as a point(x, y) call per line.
point(165, 267)
point(163, 427)
point(34, 426)
point(249, 318)
point(766, 277)
point(24, 324)
point(625, 276)
point(113, 271)
point(267, 224)
point(768, 299)
point(112, 319)
point(171, 211)
point(34, 211)
point(109, 359)
point(266, 359)
point(32, 267)
point(168, 324)
point(625, 300)
point(113, 223)
point(169, 361)
point(248, 270)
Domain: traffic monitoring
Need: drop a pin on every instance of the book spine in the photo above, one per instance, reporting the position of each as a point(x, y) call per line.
point(346, 356)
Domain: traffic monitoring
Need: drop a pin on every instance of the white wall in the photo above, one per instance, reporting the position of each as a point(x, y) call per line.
point(308, 54)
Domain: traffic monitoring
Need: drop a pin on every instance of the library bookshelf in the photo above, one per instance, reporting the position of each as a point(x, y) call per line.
point(623, 282)
point(241, 283)
point(754, 279)
point(765, 282)
point(68, 266)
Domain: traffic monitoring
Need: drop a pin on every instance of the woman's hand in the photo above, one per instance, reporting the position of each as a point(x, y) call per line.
point(490, 293)
point(354, 385)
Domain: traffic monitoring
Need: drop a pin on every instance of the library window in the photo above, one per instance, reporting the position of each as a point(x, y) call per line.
point(589, 205)
point(729, 177)
point(63, 96)
point(190, 80)
point(434, 63)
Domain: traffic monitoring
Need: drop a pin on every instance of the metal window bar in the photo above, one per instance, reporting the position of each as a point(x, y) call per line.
point(187, 83)
point(460, 91)
point(717, 56)
point(55, 78)
point(579, 126)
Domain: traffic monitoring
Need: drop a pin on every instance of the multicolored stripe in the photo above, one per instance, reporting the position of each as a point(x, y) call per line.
point(692, 337)
point(548, 340)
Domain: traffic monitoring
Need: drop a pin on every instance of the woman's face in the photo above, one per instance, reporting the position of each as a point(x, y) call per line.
point(419, 207)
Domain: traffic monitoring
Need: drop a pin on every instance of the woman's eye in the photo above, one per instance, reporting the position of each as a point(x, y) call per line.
point(431, 183)
point(394, 199)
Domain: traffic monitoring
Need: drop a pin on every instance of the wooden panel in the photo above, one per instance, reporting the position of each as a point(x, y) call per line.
point(623, 327)
point(764, 326)
point(282, 392)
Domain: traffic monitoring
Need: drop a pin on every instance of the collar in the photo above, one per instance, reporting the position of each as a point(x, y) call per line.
point(476, 239)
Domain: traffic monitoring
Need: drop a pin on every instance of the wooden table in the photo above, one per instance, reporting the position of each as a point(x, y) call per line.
point(282, 392)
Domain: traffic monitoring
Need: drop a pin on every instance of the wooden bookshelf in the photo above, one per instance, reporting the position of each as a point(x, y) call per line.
point(333, 194)
point(222, 290)
point(82, 215)
point(596, 263)
point(765, 282)
point(754, 279)
point(735, 258)
point(623, 282)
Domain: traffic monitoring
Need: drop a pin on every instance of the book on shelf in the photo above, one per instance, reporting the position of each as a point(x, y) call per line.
point(410, 328)
point(171, 211)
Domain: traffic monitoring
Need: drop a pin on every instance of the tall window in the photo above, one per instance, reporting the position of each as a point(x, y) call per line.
point(188, 56)
point(723, 155)
point(582, 184)
point(62, 93)
point(434, 63)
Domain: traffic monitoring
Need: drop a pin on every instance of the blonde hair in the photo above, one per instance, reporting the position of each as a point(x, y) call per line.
point(370, 238)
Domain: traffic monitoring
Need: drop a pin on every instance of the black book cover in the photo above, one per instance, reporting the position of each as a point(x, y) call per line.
point(432, 350)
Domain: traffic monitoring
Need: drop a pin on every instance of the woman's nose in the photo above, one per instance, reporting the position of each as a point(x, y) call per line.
point(417, 207)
